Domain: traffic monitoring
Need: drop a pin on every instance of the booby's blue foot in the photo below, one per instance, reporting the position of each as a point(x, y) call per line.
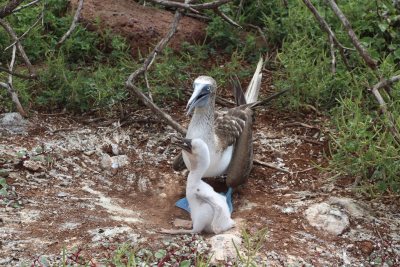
point(229, 199)
point(184, 204)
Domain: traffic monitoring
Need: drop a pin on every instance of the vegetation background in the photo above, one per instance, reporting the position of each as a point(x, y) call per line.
point(87, 73)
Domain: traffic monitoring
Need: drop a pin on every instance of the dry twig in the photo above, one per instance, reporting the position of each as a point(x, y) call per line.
point(16, 74)
point(192, 7)
point(73, 24)
point(130, 83)
point(324, 25)
point(270, 165)
point(26, 32)
point(21, 50)
point(361, 50)
point(375, 91)
point(25, 6)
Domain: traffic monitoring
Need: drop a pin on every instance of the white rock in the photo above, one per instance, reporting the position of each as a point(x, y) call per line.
point(33, 165)
point(13, 123)
point(351, 207)
point(223, 245)
point(327, 218)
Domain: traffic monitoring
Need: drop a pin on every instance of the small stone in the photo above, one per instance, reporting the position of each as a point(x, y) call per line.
point(62, 194)
point(33, 165)
point(163, 195)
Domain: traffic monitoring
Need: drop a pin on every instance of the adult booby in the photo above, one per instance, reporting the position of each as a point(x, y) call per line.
point(208, 209)
point(228, 134)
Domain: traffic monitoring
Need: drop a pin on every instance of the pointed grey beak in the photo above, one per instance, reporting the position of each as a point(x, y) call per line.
point(185, 144)
point(199, 97)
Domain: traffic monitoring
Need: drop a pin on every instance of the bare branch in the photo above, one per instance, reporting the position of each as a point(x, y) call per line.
point(73, 24)
point(14, 98)
point(194, 7)
point(11, 67)
point(392, 122)
point(21, 50)
point(324, 25)
point(25, 6)
point(16, 74)
point(270, 165)
point(361, 50)
point(226, 18)
point(130, 83)
point(9, 8)
point(25, 33)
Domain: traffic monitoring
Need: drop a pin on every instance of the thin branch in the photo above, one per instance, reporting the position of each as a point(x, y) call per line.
point(324, 26)
point(361, 50)
point(392, 122)
point(16, 74)
point(270, 165)
point(9, 8)
point(26, 32)
point(226, 18)
point(21, 50)
point(194, 8)
point(25, 6)
point(73, 24)
point(14, 98)
point(130, 83)
point(11, 67)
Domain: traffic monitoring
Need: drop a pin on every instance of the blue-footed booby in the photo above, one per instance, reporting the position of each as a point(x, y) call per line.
point(208, 209)
point(228, 134)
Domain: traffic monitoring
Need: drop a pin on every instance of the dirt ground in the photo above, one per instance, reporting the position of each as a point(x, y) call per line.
point(69, 196)
point(142, 26)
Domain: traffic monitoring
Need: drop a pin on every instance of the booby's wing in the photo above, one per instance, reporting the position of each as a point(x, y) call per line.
point(234, 127)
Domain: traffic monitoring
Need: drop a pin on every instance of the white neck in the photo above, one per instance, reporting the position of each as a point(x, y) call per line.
point(202, 124)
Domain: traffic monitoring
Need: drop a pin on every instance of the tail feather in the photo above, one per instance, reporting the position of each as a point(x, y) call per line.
point(254, 87)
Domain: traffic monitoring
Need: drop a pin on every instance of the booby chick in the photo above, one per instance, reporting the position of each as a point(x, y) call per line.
point(209, 210)
point(228, 134)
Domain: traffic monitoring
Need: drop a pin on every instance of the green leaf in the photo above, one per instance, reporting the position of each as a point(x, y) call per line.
point(396, 53)
point(185, 263)
point(160, 254)
point(383, 26)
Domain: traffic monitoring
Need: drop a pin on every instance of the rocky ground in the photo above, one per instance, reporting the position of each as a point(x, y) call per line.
point(75, 182)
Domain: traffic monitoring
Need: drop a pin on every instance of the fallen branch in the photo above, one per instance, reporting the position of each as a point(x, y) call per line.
point(21, 50)
point(73, 24)
point(192, 7)
point(9, 8)
point(226, 18)
point(26, 32)
point(130, 83)
point(14, 98)
point(270, 165)
point(361, 50)
point(392, 122)
point(16, 74)
point(25, 6)
point(324, 26)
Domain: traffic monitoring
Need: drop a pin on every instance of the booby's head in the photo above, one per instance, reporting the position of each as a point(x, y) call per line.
point(197, 152)
point(204, 89)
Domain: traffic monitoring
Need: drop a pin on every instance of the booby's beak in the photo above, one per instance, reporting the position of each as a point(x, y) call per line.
point(185, 144)
point(199, 97)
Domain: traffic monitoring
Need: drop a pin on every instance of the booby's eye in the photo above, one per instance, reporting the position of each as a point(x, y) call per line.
point(208, 88)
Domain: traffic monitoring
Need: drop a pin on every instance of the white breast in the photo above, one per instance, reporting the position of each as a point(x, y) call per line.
point(219, 161)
